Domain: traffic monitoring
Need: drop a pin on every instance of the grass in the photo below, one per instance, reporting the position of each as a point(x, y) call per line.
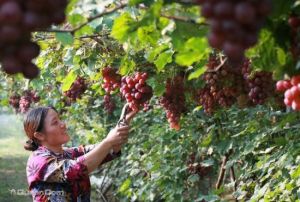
point(13, 159)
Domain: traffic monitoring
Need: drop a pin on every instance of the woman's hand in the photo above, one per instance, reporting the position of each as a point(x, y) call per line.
point(117, 136)
point(130, 116)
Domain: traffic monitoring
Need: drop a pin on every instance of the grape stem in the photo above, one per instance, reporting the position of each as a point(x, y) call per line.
point(222, 62)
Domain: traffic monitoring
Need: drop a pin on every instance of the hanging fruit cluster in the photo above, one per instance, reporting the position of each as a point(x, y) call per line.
point(173, 100)
point(78, 87)
point(260, 84)
point(22, 103)
point(291, 89)
point(111, 83)
point(226, 85)
point(136, 91)
point(223, 85)
point(294, 23)
point(18, 19)
point(234, 24)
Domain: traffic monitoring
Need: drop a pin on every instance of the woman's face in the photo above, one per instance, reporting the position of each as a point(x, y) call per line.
point(55, 130)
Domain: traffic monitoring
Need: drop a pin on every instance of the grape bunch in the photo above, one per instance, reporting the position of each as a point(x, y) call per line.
point(23, 103)
point(234, 24)
point(111, 80)
point(136, 91)
point(14, 101)
point(17, 20)
point(260, 84)
point(294, 23)
point(78, 87)
point(173, 100)
point(291, 89)
point(109, 104)
point(223, 85)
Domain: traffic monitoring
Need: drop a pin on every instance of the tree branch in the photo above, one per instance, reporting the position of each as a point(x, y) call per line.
point(222, 170)
point(121, 6)
point(233, 179)
point(180, 18)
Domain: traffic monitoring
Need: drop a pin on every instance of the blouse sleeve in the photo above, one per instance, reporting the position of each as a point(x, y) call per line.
point(76, 152)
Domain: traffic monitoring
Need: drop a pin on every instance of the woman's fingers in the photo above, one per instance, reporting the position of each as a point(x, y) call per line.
point(123, 139)
point(130, 115)
point(123, 133)
point(123, 128)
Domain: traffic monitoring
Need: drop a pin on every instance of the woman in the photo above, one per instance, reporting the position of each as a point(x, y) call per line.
point(59, 174)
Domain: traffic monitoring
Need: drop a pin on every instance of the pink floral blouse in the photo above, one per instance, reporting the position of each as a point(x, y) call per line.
point(60, 177)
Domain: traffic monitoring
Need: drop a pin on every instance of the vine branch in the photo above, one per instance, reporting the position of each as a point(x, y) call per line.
point(222, 170)
point(72, 31)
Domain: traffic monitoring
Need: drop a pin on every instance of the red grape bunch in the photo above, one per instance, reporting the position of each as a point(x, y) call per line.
point(173, 100)
point(109, 104)
point(260, 84)
point(291, 89)
point(136, 91)
point(294, 22)
point(23, 103)
point(111, 82)
point(234, 24)
point(223, 84)
point(77, 89)
point(17, 20)
point(14, 101)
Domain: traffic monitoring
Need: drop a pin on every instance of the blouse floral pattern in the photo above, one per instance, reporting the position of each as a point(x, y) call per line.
point(60, 177)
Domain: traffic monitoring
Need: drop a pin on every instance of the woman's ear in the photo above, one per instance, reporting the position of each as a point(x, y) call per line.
point(39, 136)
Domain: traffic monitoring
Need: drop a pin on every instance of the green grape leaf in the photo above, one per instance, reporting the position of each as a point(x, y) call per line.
point(68, 81)
point(163, 59)
point(64, 38)
point(122, 26)
point(194, 50)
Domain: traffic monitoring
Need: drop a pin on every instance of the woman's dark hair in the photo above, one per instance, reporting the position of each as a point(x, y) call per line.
point(34, 122)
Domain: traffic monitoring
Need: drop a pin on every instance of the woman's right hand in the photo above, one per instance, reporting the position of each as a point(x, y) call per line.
point(118, 135)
